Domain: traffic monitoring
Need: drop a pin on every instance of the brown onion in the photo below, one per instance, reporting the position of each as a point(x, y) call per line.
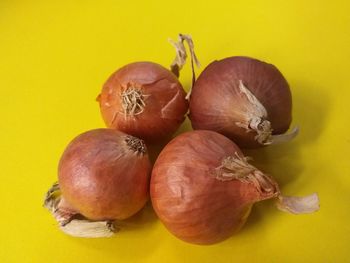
point(202, 188)
point(103, 176)
point(143, 99)
point(244, 99)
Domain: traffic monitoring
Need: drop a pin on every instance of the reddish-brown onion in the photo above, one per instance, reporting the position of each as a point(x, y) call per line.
point(202, 188)
point(191, 195)
point(143, 99)
point(103, 175)
point(244, 99)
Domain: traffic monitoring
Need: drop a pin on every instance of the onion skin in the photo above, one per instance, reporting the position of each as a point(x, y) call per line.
point(102, 177)
point(194, 205)
point(163, 95)
point(216, 103)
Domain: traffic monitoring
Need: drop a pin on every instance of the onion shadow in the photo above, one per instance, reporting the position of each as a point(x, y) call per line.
point(142, 219)
point(122, 247)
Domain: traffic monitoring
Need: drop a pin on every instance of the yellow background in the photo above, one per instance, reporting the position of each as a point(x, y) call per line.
point(54, 58)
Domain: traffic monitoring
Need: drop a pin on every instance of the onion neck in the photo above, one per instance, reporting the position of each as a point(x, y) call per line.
point(265, 184)
point(237, 168)
point(255, 116)
point(263, 130)
point(181, 57)
point(256, 120)
point(264, 136)
point(73, 223)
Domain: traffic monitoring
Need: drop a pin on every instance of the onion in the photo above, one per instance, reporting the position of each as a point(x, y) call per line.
point(145, 99)
point(244, 99)
point(203, 188)
point(103, 176)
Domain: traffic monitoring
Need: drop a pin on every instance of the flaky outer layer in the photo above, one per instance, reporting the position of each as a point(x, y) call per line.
point(193, 204)
point(102, 177)
point(218, 104)
point(164, 97)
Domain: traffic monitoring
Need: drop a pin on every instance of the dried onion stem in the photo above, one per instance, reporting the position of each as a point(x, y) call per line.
point(237, 168)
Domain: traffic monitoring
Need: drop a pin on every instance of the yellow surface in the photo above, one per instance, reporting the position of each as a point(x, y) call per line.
point(54, 57)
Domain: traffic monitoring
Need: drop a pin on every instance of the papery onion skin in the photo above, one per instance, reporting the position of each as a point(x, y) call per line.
point(215, 102)
point(103, 177)
point(194, 205)
point(164, 100)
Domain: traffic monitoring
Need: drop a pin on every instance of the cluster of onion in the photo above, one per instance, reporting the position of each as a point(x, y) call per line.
point(201, 186)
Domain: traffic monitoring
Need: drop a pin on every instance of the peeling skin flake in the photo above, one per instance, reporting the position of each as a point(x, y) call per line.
point(299, 205)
